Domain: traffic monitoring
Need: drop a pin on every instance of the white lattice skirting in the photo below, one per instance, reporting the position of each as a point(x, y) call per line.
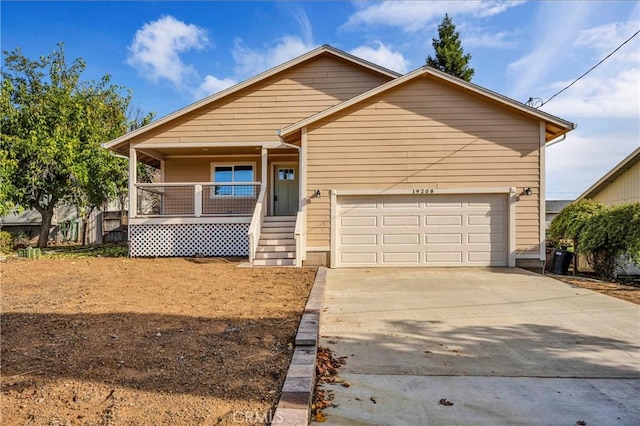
point(210, 239)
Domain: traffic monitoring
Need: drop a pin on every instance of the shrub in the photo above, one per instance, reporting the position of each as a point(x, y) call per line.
point(612, 237)
point(6, 241)
point(568, 224)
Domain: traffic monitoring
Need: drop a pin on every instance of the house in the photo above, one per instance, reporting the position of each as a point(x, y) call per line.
point(330, 159)
point(621, 185)
point(553, 208)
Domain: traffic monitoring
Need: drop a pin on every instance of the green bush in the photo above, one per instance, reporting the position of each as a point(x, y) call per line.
point(568, 224)
point(611, 238)
point(6, 241)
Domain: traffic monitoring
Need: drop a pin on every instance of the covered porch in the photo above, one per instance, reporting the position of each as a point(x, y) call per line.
point(212, 200)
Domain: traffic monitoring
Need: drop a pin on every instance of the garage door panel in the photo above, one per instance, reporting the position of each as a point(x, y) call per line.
point(448, 238)
point(400, 206)
point(403, 239)
point(359, 239)
point(359, 258)
point(434, 204)
point(485, 257)
point(413, 220)
point(359, 221)
point(440, 220)
point(401, 257)
point(453, 258)
point(493, 238)
point(433, 230)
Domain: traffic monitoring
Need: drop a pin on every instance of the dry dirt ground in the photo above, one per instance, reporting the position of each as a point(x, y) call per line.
point(629, 293)
point(145, 341)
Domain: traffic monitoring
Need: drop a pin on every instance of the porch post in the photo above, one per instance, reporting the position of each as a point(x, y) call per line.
point(133, 178)
point(197, 198)
point(263, 178)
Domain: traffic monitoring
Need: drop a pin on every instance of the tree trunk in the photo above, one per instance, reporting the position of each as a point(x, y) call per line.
point(47, 215)
point(85, 220)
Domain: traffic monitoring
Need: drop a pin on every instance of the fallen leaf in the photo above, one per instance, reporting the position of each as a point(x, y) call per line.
point(319, 417)
point(445, 402)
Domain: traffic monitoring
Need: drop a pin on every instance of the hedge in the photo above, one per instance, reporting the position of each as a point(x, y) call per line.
point(608, 236)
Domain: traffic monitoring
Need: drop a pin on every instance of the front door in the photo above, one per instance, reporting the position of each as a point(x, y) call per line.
point(286, 198)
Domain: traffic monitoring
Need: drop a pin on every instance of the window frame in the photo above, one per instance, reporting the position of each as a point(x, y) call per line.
point(212, 174)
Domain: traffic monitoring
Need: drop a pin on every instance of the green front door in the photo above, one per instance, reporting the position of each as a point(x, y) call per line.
point(286, 198)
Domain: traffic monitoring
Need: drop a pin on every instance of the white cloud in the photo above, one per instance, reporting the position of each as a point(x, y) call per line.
point(384, 56)
point(156, 48)
point(250, 62)
point(614, 96)
point(605, 38)
point(575, 164)
point(557, 24)
point(482, 37)
point(415, 15)
point(212, 85)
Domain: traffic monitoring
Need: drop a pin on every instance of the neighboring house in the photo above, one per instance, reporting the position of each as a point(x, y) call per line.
point(621, 185)
point(330, 159)
point(27, 223)
point(553, 208)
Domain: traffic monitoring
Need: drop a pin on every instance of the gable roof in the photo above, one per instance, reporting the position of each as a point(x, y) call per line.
point(555, 126)
point(613, 174)
point(325, 49)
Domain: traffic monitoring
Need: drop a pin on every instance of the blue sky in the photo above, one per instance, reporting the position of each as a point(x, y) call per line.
point(171, 54)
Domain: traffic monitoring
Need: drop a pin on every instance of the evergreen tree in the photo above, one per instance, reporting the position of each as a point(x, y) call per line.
point(449, 55)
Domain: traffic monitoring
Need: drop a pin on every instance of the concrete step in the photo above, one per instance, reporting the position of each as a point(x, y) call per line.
point(275, 235)
point(276, 255)
point(277, 242)
point(287, 229)
point(280, 219)
point(273, 262)
point(269, 249)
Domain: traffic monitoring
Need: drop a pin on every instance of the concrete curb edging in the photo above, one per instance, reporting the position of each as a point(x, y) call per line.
point(294, 406)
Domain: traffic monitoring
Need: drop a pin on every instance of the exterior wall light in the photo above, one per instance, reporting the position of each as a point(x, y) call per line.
point(317, 193)
point(527, 191)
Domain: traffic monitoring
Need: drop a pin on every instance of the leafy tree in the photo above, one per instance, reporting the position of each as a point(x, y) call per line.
point(52, 126)
point(449, 54)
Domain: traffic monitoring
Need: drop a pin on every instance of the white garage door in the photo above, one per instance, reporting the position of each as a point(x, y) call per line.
point(422, 230)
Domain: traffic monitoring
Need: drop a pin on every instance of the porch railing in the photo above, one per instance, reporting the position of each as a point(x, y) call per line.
point(256, 225)
point(197, 199)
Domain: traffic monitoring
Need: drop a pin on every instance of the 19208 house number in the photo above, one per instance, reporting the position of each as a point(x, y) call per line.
point(423, 191)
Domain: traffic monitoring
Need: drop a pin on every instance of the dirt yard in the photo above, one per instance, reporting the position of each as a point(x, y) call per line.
point(621, 291)
point(145, 341)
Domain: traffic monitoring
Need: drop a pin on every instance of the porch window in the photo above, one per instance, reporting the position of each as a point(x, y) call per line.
point(233, 173)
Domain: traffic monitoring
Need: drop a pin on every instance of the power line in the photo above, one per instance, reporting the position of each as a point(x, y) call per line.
point(537, 102)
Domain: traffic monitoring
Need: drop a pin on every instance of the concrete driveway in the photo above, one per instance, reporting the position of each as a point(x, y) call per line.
point(505, 346)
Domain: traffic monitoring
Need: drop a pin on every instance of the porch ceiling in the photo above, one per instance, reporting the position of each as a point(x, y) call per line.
point(152, 155)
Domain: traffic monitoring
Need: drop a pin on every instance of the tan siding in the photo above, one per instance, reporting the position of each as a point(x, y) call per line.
point(254, 114)
point(199, 169)
point(426, 135)
point(625, 189)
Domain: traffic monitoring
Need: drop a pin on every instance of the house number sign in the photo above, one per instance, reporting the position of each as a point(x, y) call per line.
point(422, 191)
